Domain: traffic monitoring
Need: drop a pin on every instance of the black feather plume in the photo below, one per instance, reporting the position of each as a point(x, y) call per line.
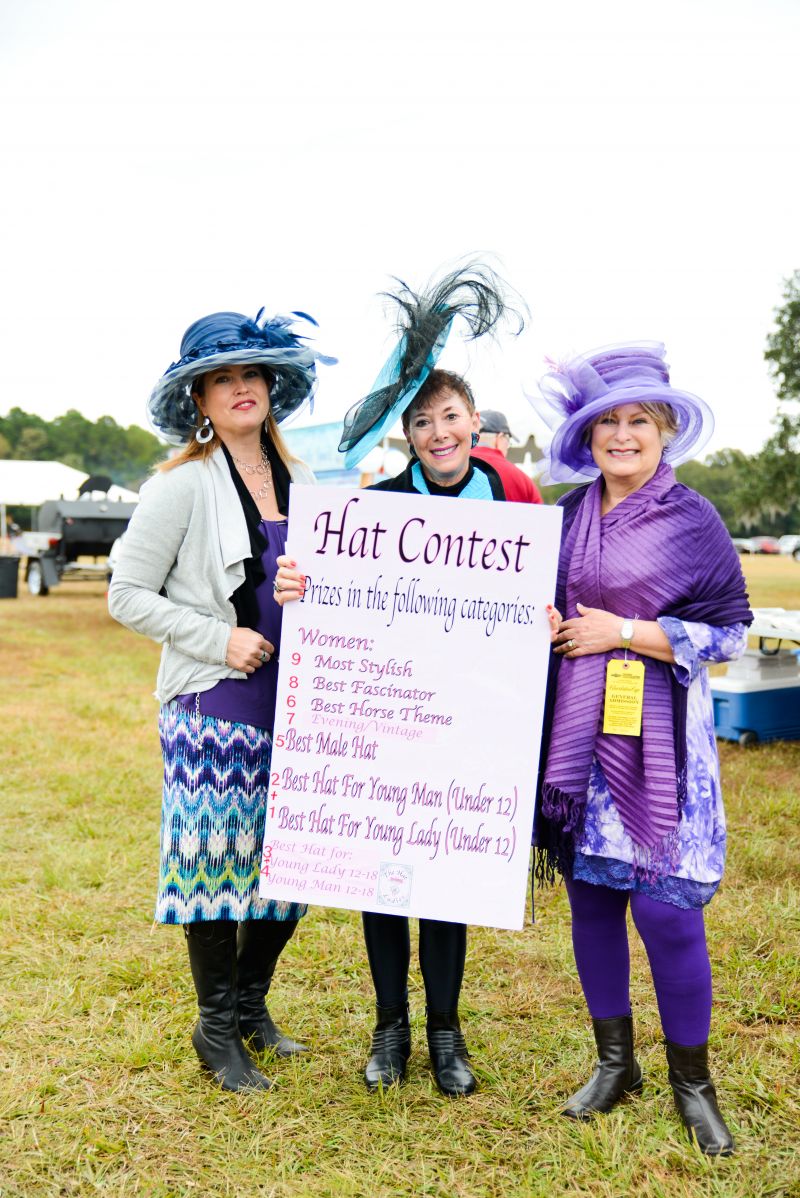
point(472, 291)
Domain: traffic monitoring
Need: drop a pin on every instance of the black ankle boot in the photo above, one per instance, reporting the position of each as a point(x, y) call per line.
point(216, 1039)
point(449, 1054)
point(696, 1098)
point(260, 943)
point(617, 1071)
point(391, 1048)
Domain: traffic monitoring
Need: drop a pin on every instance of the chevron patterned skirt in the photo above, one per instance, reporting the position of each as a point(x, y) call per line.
point(216, 785)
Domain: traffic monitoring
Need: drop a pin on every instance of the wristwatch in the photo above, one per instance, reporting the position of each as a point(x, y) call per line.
point(626, 633)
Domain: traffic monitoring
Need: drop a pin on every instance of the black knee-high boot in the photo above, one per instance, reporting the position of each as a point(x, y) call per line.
point(696, 1098)
point(616, 1074)
point(260, 943)
point(216, 1038)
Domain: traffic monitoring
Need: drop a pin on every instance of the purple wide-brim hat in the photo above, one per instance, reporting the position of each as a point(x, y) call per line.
point(579, 390)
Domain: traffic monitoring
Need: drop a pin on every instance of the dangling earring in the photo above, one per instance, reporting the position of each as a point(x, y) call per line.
point(205, 433)
point(411, 451)
point(475, 439)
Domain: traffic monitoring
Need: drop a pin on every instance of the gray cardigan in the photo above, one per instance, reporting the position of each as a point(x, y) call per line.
point(180, 561)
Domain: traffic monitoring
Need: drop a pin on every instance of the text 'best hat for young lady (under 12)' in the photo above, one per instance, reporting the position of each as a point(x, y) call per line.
point(230, 339)
point(585, 386)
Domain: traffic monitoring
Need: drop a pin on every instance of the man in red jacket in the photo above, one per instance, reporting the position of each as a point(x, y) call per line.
point(492, 447)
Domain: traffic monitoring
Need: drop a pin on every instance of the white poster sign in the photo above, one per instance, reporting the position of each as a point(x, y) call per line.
point(410, 703)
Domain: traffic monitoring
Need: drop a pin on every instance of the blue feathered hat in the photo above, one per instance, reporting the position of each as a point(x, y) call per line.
point(230, 339)
point(473, 292)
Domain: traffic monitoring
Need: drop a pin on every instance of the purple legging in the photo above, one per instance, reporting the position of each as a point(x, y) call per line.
point(675, 941)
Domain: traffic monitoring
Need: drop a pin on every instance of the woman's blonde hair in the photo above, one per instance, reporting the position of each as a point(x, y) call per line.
point(194, 450)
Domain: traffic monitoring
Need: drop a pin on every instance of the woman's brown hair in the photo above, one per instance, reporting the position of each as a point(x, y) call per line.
point(436, 382)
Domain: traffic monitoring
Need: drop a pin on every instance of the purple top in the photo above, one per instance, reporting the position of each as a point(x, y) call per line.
point(605, 853)
point(251, 700)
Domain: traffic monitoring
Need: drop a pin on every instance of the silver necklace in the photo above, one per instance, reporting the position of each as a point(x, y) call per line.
point(263, 468)
point(260, 467)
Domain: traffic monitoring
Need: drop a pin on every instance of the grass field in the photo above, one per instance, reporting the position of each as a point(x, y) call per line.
point(100, 1092)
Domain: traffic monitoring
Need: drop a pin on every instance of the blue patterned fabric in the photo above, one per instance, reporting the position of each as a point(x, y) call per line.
point(679, 892)
point(606, 853)
point(216, 786)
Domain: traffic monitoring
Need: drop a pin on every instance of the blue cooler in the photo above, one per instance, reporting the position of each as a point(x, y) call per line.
point(759, 697)
point(749, 711)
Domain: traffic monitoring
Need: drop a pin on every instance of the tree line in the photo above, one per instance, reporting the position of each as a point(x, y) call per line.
point(101, 446)
point(757, 492)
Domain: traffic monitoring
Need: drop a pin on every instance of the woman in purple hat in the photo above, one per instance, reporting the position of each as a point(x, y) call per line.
point(195, 573)
point(630, 811)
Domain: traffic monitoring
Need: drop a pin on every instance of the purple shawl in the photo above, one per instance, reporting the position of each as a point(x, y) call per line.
point(663, 551)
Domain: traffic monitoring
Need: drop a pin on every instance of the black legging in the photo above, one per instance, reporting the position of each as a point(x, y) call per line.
point(442, 950)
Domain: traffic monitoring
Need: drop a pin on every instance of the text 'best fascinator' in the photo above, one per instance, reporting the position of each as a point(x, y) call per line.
point(585, 386)
point(473, 292)
point(230, 339)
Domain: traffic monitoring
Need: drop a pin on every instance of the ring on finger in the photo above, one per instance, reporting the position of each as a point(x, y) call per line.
point(263, 655)
point(570, 644)
point(276, 587)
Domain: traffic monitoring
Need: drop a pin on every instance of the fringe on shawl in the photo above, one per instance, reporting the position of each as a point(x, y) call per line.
point(560, 828)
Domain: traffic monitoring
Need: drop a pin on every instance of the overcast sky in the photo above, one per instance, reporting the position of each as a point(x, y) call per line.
point(632, 167)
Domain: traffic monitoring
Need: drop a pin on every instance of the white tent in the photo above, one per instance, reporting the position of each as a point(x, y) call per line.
point(28, 484)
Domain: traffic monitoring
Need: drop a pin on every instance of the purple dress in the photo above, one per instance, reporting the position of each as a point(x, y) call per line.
point(605, 852)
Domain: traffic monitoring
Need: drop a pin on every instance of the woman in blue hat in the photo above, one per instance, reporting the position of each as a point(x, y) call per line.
point(196, 573)
point(441, 424)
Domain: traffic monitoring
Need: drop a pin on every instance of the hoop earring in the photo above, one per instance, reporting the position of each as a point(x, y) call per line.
point(475, 439)
point(205, 433)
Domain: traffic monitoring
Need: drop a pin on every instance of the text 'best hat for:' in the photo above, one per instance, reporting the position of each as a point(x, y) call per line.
point(585, 386)
point(231, 339)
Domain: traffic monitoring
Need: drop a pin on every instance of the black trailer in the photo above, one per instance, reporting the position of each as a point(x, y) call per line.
point(68, 530)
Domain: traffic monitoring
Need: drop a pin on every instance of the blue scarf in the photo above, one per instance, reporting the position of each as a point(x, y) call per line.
point(478, 486)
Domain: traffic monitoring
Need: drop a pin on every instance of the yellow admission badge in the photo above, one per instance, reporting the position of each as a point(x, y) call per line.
point(622, 714)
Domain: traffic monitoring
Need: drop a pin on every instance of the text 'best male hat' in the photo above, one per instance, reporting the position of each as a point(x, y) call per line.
point(495, 422)
point(231, 339)
point(585, 386)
